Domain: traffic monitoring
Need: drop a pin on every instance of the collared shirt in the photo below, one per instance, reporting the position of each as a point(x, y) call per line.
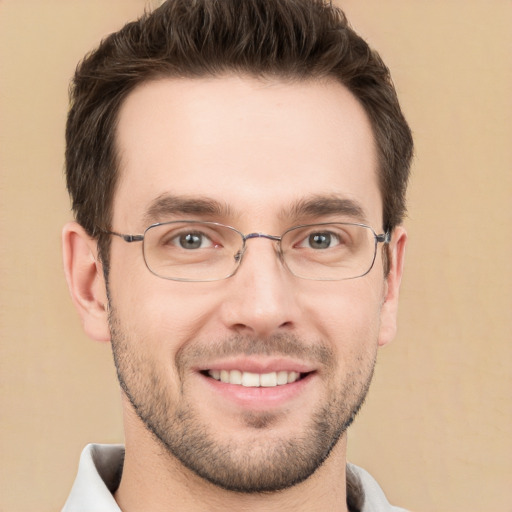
point(100, 469)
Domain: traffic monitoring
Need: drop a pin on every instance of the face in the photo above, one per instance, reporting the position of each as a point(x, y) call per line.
point(261, 157)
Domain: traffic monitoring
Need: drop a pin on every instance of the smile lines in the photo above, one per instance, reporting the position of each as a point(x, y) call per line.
point(254, 380)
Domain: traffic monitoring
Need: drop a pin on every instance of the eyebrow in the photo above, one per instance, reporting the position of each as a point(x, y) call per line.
point(166, 205)
point(321, 206)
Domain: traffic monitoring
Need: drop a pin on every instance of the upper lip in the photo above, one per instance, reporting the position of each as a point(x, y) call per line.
point(259, 365)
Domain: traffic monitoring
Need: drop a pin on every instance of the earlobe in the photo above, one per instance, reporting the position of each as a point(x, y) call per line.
point(84, 274)
point(389, 310)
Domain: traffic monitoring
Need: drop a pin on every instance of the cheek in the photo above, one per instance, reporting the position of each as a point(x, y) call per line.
point(347, 313)
point(159, 313)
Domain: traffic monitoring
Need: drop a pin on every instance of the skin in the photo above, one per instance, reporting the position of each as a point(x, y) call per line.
point(257, 148)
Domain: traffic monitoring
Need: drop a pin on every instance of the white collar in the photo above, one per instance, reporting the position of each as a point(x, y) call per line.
point(100, 469)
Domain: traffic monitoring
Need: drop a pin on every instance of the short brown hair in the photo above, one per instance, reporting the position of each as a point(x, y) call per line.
point(288, 39)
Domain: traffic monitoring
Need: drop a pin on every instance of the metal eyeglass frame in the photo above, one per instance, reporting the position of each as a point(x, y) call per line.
point(384, 238)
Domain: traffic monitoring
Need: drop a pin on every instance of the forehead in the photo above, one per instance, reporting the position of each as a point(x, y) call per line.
point(257, 147)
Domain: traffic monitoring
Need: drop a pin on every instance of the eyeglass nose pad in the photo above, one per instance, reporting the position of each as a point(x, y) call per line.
point(279, 252)
point(239, 255)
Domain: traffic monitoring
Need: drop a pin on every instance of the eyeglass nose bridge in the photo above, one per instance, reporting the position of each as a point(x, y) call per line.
point(241, 252)
point(262, 235)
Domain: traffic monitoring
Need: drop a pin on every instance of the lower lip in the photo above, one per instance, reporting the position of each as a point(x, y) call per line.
point(259, 398)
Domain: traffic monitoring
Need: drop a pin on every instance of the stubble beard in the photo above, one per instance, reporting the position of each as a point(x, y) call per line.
point(265, 462)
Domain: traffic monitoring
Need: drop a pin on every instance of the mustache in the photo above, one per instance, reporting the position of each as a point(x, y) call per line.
point(283, 344)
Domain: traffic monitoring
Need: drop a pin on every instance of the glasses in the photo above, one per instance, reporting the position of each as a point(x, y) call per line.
point(209, 251)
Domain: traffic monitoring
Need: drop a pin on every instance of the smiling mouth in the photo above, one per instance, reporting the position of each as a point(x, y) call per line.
point(255, 380)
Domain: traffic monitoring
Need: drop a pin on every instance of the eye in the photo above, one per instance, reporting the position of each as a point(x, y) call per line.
point(320, 240)
point(192, 240)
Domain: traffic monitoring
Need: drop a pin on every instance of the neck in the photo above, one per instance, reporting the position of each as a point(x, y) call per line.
point(155, 481)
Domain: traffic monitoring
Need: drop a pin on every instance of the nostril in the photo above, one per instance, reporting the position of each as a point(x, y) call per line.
point(241, 329)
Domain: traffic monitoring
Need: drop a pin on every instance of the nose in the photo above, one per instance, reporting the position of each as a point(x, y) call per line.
point(260, 298)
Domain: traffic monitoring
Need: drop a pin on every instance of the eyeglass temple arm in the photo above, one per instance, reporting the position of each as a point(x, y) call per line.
point(384, 238)
point(126, 238)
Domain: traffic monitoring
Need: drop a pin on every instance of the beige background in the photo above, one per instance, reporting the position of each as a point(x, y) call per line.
point(437, 428)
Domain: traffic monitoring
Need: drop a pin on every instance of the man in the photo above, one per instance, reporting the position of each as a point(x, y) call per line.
point(238, 171)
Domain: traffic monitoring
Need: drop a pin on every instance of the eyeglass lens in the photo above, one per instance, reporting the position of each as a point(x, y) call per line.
point(207, 251)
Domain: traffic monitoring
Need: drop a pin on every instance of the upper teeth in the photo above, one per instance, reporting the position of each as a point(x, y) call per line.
point(254, 380)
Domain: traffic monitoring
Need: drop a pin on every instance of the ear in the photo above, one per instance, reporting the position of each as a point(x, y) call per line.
point(84, 274)
point(389, 310)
